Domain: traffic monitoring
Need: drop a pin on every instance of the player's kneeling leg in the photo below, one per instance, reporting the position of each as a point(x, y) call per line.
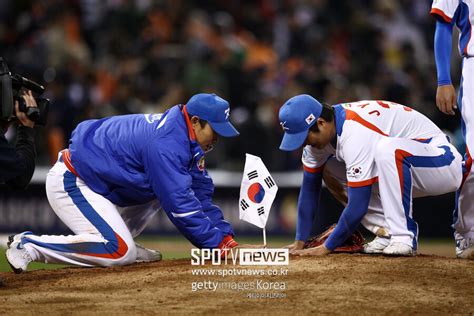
point(406, 167)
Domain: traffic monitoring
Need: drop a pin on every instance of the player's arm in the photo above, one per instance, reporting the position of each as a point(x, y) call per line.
point(357, 150)
point(18, 164)
point(358, 203)
point(445, 93)
point(203, 188)
point(308, 203)
point(166, 164)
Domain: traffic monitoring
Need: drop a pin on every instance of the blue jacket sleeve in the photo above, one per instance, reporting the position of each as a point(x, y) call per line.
point(355, 210)
point(308, 203)
point(442, 50)
point(167, 165)
point(203, 188)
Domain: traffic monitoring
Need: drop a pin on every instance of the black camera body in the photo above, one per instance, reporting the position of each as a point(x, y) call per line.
point(10, 89)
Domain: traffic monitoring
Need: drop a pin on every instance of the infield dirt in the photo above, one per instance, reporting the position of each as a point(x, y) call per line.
point(336, 284)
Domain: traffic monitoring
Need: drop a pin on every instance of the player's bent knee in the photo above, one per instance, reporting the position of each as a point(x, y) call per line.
point(129, 258)
point(123, 257)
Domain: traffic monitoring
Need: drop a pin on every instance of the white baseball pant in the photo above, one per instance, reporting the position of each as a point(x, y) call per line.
point(408, 168)
point(101, 235)
point(464, 212)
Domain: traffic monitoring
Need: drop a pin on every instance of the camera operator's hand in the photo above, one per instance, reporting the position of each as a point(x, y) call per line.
point(30, 102)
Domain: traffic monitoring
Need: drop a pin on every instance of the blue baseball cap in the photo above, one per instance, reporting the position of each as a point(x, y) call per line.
point(296, 116)
point(214, 110)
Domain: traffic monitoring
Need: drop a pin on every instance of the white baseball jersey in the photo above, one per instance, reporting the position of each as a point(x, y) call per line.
point(366, 122)
point(460, 12)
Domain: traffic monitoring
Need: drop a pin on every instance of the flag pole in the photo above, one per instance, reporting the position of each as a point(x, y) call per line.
point(264, 238)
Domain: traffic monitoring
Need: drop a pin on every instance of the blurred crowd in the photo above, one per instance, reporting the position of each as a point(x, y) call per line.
point(108, 57)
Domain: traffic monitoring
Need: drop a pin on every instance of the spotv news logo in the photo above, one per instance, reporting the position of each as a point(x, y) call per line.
point(241, 256)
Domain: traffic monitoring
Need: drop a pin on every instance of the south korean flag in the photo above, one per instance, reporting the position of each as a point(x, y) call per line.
point(257, 192)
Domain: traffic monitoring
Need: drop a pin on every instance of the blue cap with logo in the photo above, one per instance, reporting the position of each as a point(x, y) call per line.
point(297, 115)
point(214, 110)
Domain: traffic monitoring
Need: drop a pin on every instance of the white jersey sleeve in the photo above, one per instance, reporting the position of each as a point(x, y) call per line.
point(357, 149)
point(314, 158)
point(444, 9)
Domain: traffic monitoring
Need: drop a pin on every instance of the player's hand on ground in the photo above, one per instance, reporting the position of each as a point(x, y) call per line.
point(30, 103)
point(446, 99)
point(316, 251)
point(296, 245)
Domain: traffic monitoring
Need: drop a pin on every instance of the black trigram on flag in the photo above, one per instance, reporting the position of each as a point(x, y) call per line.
point(260, 211)
point(244, 205)
point(269, 182)
point(252, 174)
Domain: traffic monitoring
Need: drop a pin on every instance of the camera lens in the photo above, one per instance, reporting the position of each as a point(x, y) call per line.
point(33, 114)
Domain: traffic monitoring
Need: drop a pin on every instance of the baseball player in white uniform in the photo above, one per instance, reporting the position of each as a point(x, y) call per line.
point(382, 143)
point(461, 14)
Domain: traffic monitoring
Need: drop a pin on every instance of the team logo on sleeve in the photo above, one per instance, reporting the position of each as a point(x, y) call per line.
point(354, 172)
point(150, 118)
point(201, 164)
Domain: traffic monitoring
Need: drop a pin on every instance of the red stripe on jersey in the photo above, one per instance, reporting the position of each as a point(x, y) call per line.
point(383, 104)
point(441, 14)
point(470, 35)
point(400, 155)
point(192, 136)
point(67, 161)
point(364, 183)
point(313, 170)
point(353, 116)
point(468, 166)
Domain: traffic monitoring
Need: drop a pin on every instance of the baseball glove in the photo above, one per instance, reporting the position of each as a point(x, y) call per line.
point(355, 243)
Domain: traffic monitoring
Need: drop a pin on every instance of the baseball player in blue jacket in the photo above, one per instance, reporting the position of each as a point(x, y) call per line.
point(118, 172)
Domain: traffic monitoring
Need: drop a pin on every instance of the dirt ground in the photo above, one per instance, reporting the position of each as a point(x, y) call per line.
point(336, 284)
